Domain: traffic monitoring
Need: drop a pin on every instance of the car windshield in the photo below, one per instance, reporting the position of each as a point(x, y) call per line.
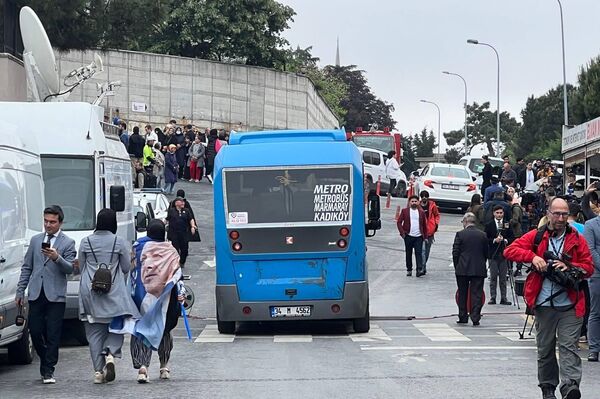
point(288, 195)
point(476, 164)
point(381, 143)
point(449, 171)
point(69, 182)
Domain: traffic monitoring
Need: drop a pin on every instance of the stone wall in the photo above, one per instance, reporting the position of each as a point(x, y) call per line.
point(205, 93)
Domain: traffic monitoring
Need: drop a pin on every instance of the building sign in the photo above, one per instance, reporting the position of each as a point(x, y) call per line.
point(586, 133)
point(139, 107)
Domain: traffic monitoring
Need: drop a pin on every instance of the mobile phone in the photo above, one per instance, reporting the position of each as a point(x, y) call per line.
point(45, 245)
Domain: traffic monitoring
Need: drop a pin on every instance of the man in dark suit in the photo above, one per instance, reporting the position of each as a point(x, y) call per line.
point(499, 235)
point(469, 254)
point(48, 261)
point(486, 174)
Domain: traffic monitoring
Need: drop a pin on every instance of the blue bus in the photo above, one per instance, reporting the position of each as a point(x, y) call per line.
point(290, 227)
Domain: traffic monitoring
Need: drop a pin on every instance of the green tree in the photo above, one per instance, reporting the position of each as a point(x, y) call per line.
point(424, 143)
point(409, 163)
point(453, 155)
point(247, 32)
point(481, 125)
point(363, 107)
point(587, 97)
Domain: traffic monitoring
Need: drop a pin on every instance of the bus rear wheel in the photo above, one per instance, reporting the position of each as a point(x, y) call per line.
point(362, 325)
point(225, 327)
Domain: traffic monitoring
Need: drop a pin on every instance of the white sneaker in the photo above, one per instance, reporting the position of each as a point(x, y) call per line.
point(142, 377)
point(165, 373)
point(49, 380)
point(110, 368)
point(99, 377)
point(210, 179)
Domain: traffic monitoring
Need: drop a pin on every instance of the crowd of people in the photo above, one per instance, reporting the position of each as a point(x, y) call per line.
point(558, 236)
point(161, 157)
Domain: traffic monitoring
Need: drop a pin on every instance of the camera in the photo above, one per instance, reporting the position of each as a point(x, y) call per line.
point(569, 278)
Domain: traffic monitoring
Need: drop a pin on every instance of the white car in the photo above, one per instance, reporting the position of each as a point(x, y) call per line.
point(475, 167)
point(159, 203)
point(450, 186)
point(374, 167)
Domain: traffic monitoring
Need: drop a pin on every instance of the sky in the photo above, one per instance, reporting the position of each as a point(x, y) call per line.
point(405, 45)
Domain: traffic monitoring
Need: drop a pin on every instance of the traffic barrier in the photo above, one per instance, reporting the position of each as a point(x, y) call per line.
point(397, 213)
point(378, 190)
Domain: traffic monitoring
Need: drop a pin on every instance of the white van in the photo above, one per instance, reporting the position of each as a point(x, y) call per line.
point(374, 167)
point(475, 166)
point(21, 206)
point(85, 167)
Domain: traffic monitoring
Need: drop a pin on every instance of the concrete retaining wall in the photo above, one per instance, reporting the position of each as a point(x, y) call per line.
point(205, 93)
point(13, 86)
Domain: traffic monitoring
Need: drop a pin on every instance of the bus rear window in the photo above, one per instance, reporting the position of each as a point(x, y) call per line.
point(306, 195)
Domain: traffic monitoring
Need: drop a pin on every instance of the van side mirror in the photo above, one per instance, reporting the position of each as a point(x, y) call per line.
point(373, 214)
point(474, 178)
point(117, 198)
point(140, 221)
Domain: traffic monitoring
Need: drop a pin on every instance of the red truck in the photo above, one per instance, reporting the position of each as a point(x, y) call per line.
point(382, 140)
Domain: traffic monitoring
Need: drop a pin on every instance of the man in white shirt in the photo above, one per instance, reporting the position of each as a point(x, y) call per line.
point(412, 226)
point(529, 175)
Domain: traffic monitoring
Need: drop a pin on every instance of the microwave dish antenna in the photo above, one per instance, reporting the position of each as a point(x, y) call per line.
point(38, 55)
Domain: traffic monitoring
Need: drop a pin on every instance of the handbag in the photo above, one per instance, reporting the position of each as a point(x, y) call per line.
point(196, 236)
point(103, 280)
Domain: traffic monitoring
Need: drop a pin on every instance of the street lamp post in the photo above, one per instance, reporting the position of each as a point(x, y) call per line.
point(439, 118)
point(472, 41)
point(465, 83)
point(562, 31)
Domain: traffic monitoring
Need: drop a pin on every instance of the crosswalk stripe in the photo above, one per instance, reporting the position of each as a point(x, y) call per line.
point(375, 334)
point(440, 332)
point(293, 338)
point(211, 334)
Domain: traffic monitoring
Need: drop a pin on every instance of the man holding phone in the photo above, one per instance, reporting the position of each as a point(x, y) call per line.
point(48, 261)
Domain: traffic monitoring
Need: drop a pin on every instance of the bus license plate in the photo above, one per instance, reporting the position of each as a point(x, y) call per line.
point(290, 311)
point(449, 186)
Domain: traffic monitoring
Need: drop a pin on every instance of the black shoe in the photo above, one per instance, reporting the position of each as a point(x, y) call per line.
point(570, 390)
point(505, 302)
point(548, 391)
point(475, 323)
point(462, 321)
point(409, 273)
point(419, 274)
point(492, 301)
point(593, 357)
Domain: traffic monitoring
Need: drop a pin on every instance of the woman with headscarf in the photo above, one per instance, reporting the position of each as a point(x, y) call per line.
point(171, 169)
point(99, 305)
point(156, 265)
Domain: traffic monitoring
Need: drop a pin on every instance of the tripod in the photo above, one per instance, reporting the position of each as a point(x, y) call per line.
point(511, 280)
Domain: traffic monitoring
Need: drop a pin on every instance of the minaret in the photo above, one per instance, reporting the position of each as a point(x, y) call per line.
point(337, 53)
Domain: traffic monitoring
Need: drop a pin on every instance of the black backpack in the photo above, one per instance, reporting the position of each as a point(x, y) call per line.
point(103, 280)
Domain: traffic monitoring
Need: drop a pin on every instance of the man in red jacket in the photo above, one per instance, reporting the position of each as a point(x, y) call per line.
point(412, 226)
point(432, 215)
point(559, 311)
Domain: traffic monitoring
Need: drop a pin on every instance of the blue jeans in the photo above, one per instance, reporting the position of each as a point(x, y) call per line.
point(426, 250)
point(169, 187)
point(594, 320)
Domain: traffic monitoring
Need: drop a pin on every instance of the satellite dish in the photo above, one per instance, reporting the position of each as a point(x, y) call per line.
point(35, 41)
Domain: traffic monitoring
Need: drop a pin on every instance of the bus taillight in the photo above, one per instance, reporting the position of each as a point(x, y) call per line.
point(246, 310)
point(344, 231)
point(234, 235)
point(335, 308)
point(237, 246)
point(342, 243)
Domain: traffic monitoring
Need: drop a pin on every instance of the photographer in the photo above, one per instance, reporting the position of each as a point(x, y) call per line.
point(559, 310)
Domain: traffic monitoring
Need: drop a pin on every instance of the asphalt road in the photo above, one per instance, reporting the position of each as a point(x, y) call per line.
point(414, 348)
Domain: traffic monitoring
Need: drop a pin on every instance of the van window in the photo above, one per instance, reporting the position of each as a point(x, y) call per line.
point(372, 158)
point(12, 206)
point(476, 164)
point(69, 183)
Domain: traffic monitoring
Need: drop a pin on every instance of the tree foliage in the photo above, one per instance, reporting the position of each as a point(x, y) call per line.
point(586, 99)
point(363, 107)
point(453, 155)
point(424, 143)
point(481, 128)
point(409, 163)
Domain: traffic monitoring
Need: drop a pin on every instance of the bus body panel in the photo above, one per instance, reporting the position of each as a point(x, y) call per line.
point(269, 275)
